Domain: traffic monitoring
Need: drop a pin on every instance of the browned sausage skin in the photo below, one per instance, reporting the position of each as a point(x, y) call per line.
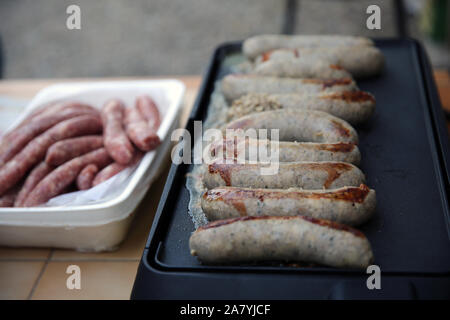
point(347, 205)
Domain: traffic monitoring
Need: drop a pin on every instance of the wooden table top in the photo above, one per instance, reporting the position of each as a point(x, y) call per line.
point(41, 273)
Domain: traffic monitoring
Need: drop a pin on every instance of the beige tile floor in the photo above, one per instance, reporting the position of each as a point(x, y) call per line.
point(41, 273)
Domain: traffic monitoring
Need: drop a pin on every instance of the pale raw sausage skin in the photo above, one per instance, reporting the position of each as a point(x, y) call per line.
point(34, 152)
point(86, 176)
point(18, 138)
point(59, 179)
point(115, 139)
point(139, 131)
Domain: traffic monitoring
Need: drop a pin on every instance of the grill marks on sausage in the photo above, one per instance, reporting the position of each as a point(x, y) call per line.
point(223, 169)
point(320, 222)
point(334, 225)
point(233, 195)
point(328, 83)
point(266, 55)
point(340, 128)
point(335, 147)
point(334, 170)
point(350, 96)
point(336, 67)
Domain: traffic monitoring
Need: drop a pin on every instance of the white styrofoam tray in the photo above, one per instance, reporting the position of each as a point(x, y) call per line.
point(103, 225)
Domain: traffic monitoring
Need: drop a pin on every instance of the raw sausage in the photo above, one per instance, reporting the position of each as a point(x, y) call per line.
point(352, 106)
point(7, 200)
point(86, 176)
point(256, 45)
point(287, 239)
point(150, 111)
point(68, 149)
point(347, 205)
point(305, 175)
point(35, 151)
point(299, 125)
point(139, 131)
point(34, 177)
point(113, 169)
point(237, 85)
point(19, 137)
point(63, 176)
point(115, 139)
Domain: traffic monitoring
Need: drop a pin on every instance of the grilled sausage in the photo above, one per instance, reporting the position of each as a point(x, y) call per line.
point(35, 151)
point(115, 139)
point(301, 68)
point(37, 174)
point(237, 85)
point(306, 175)
point(352, 106)
point(241, 148)
point(86, 176)
point(257, 45)
point(19, 137)
point(59, 179)
point(288, 239)
point(68, 149)
point(360, 61)
point(348, 205)
point(138, 130)
point(299, 125)
point(149, 110)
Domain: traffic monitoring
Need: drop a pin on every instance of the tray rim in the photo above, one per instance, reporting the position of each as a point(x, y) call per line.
point(434, 109)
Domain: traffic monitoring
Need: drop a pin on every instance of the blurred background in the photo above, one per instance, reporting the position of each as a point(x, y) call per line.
point(176, 37)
